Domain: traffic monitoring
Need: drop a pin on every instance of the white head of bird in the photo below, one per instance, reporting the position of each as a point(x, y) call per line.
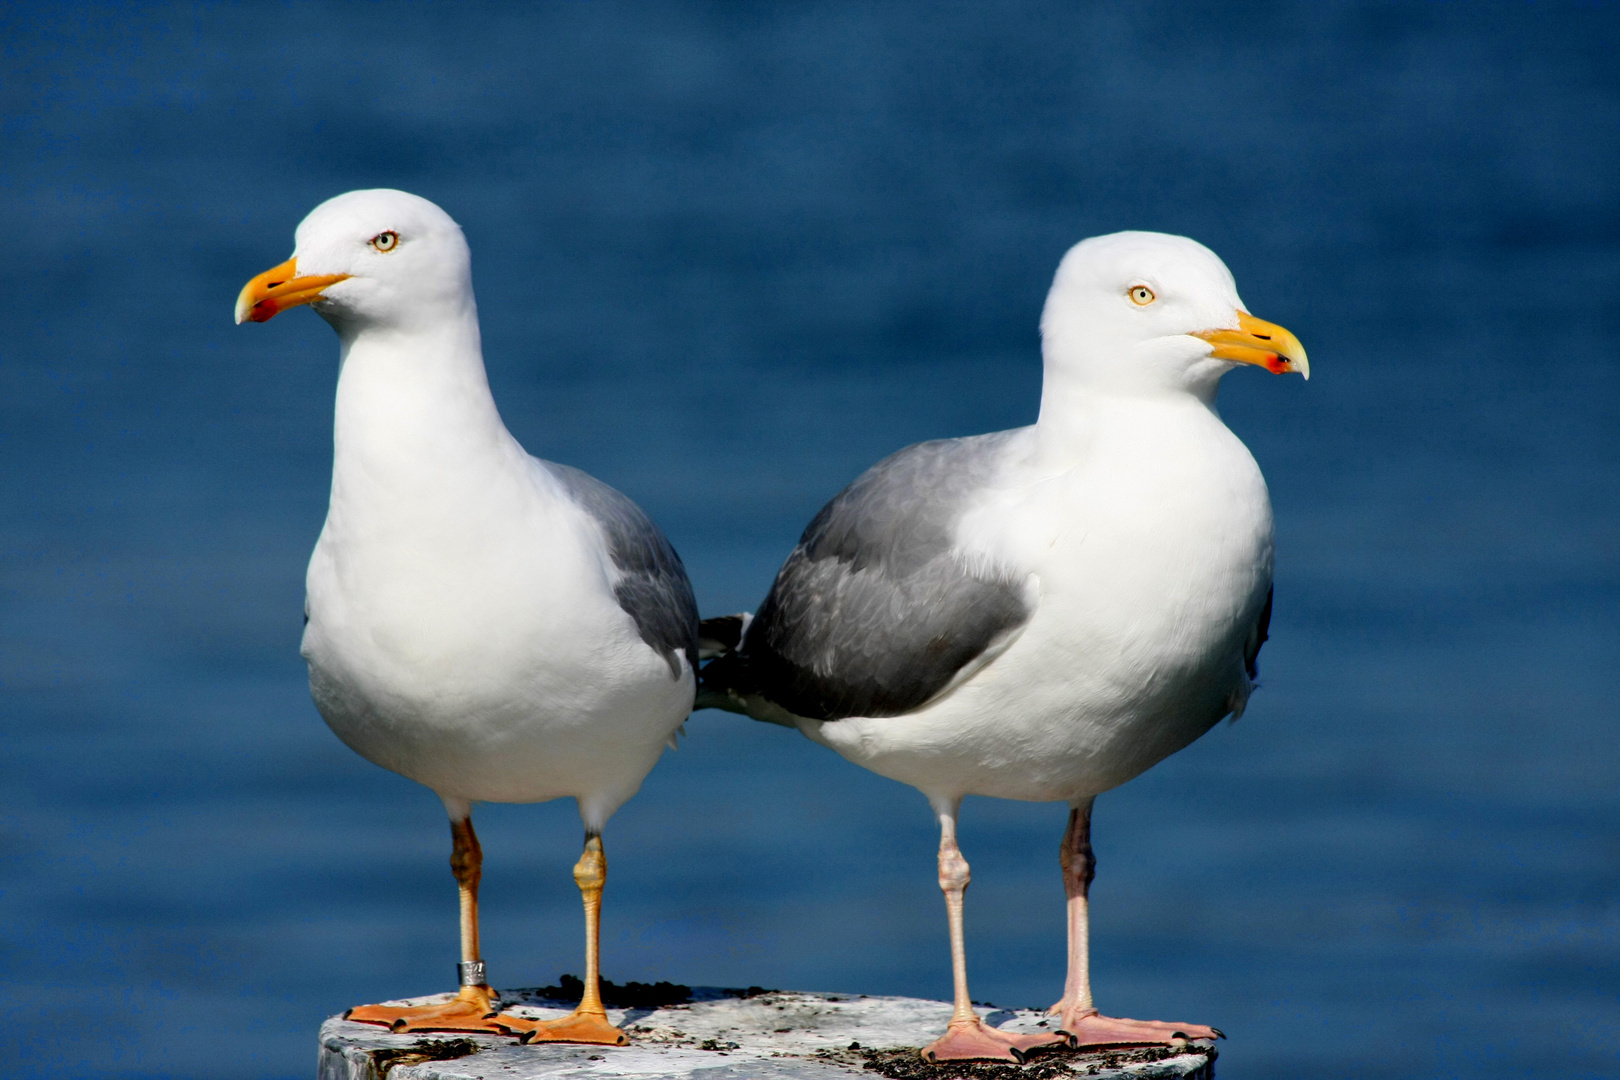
point(379, 259)
point(1145, 313)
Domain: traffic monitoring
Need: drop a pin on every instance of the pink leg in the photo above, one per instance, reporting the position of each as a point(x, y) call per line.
point(967, 1038)
point(1080, 1017)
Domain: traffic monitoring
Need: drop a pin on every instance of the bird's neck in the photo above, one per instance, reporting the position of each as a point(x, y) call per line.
point(1077, 408)
point(414, 406)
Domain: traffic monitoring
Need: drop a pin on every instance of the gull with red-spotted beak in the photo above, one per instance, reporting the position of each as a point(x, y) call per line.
point(495, 627)
point(1044, 613)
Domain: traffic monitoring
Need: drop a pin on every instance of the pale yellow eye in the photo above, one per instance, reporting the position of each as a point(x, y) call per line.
point(385, 241)
point(1141, 295)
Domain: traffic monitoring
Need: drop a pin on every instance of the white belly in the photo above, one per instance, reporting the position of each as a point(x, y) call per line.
point(508, 673)
point(1151, 570)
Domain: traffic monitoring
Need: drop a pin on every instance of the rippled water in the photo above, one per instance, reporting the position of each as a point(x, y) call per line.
point(726, 257)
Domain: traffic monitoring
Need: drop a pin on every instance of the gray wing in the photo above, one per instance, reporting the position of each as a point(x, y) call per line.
point(873, 614)
point(654, 589)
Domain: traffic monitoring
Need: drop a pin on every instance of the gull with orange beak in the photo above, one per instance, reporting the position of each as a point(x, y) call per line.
point(1043, 613)
point(495, 627)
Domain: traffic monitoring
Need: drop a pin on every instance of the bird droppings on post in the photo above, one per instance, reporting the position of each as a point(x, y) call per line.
point(1046, 1063)
point(386, 1060)
point(732, 1034)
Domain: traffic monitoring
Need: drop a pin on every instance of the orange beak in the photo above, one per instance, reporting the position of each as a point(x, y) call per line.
point(278, 289)
point(1261, 343)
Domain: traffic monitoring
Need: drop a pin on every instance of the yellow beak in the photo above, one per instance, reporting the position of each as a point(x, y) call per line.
point(278, 289)
point(1259, 342)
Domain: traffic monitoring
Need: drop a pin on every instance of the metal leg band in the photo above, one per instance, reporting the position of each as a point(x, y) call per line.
point(471, 973)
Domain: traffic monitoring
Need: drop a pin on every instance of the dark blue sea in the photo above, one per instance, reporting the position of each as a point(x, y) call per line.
point(728, 255)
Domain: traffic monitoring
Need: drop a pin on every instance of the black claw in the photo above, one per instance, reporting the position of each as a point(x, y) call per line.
point(346, 1013)
point(526, 1037)
point(1018, 1055)
point(1219, 1034)
point(1178, 1034)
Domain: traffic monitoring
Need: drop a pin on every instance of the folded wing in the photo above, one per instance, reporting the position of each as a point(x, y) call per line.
point(876, 611)
point(653, 588)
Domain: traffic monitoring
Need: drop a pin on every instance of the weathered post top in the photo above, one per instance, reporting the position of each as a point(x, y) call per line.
point(724, 1034)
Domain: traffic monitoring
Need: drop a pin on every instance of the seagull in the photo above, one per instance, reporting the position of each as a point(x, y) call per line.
point(1043, 613)
point(493, 626)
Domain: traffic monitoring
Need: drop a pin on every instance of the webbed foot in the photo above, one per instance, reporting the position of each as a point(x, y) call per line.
point(472, 1010)
point(974, 1040)
point(1091, 1028)
point(577, 1027)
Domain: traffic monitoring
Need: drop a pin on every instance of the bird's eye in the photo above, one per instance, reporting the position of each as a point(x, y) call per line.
point(385, 241)
point(1141, 295)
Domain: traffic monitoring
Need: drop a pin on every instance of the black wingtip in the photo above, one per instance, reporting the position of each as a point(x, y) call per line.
point(720, 635)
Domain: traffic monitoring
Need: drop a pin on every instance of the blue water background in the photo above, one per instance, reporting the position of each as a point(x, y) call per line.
point(726, 257)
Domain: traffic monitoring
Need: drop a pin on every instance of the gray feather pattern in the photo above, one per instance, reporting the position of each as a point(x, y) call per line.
point(654, 589)
point(873, 613)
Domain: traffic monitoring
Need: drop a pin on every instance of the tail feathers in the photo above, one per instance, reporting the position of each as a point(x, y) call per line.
point(718, 641)
point(722, 634)
point(717, 699)
point(725, 682)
